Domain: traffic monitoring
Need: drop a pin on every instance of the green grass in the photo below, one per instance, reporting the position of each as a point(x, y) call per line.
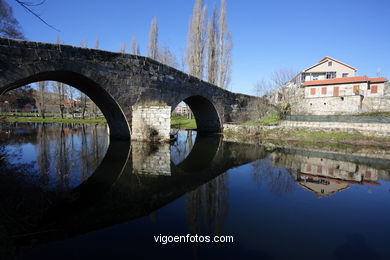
point(55, 120)
point(263, 121)
point(310, 138)
point(272, 118)
point(27, 114)
point(182, 122)
point(326, 136)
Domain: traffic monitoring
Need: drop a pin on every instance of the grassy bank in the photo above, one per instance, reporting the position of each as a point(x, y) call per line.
point(305, 137)
point(182, 122)
point(176, 121)
point(272, 119)
point(54, 120)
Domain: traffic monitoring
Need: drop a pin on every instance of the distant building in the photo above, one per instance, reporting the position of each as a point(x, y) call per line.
point(181, 110)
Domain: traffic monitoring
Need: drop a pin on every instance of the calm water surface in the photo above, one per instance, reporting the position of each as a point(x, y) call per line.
point(67, 192)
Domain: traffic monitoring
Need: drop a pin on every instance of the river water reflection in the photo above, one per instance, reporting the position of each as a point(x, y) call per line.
point(68, 192)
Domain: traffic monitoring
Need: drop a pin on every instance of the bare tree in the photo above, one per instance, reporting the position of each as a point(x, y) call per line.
point(153, 40)
point(83, 103)
point(9, 26)
point(212, 48)
point(59, 89)
point(27, 6)
point(283, 75)
point(138, 49)
point(122, 48)
point(41, 104)
point(71, 92)
point(183, 61)
point(167, 57)
point(58, 40)
point(133, 45)
point(96, 43)
point(196, 40)
point(84, 43)
point(225, 48)
point(285, 97)
point(263, 87)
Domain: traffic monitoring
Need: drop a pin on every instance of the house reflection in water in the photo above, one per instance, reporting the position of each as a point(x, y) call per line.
point(324, 176)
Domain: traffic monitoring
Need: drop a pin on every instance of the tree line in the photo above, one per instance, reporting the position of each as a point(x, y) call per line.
point(49, 97)
point(209, 46)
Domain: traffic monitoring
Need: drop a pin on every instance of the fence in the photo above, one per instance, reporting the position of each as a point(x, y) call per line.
point(338, 118)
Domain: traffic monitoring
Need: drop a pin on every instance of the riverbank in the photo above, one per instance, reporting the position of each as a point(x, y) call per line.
point(304, 137)
point(177, 122)
point(100, 120)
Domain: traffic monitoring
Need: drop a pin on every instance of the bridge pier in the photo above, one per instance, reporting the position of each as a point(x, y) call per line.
point(151, 123)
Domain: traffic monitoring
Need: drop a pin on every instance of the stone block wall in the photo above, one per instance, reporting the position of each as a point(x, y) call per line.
point(376, 104)
point(368, 129)
point(329, 105)
point(151, 123)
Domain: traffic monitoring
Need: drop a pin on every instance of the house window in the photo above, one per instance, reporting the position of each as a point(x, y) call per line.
point(329, 63)
point(303, 77)
point(323, 91)
point(315, 76)
point(336, 91)
point(345, 75)
point(374, 89)
point(312, 91)
point(356, 89)
point(330, 75)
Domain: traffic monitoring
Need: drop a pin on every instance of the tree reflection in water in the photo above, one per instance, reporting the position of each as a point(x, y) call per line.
point(65, 154)
point(278, 180)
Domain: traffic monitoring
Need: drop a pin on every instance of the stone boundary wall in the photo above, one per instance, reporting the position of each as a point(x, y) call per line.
point(248, 129)
point(151, 123)
point(369, 129)
point(338, 118)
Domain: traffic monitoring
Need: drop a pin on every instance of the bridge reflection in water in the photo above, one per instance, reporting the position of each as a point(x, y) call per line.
point(136, 179)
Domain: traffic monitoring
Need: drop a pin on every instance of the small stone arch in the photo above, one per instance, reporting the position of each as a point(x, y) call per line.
point(206, 115)
point(117, 122)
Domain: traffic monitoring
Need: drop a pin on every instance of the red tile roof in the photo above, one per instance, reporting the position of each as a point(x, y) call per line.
point(378, 79)
point(344, 80)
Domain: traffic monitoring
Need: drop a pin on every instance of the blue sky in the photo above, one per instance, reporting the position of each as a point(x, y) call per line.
point(267, 35)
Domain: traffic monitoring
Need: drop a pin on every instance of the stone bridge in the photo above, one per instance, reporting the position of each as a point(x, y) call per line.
point(120, 83)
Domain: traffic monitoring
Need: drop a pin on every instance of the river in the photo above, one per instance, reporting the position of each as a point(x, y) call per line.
point(68, 192)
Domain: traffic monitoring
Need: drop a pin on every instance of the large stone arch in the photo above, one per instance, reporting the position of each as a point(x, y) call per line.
point(205, 113)
point(117, 122)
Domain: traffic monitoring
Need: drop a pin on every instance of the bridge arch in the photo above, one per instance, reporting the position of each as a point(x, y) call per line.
point(205, 113)
point(117, 122)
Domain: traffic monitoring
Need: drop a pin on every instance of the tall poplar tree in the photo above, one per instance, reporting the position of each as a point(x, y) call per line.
point(153, 40)
point(196, 40)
